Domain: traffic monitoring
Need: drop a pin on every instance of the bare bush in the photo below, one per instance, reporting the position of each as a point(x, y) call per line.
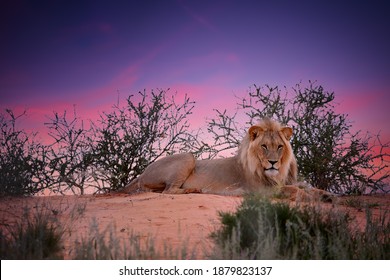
point(130, 137)
point(69, 157)
point(112, 151)
point(22, 161)
point(330, 156)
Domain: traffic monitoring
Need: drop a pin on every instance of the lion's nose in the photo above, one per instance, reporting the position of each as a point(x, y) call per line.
point(273, 162)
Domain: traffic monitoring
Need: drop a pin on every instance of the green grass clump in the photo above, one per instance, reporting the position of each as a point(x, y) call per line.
point(261, 229)
point(39, 234)
point(359, 204)
point(36, 237)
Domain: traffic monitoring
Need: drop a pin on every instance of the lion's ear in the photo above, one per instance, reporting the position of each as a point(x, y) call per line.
point(254, 132)
point(287, 132)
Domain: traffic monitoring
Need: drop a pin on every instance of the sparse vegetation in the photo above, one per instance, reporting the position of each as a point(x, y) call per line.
point(357, 203)
point(130, 137)
point(261, 229)
point(97, 156)
point(40, 234)
point(69, 156)
point(107, 245)
point(105, 155)
point(330, 155)
point(36, 236)
point(22, 158)
point(258, 229)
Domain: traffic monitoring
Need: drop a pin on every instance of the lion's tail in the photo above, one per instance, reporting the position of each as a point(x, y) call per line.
point(132, 187)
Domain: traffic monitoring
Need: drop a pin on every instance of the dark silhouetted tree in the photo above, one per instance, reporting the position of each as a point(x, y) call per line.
point(22, 159)
point(69, 156)
point(330, 156)
point(131, 137)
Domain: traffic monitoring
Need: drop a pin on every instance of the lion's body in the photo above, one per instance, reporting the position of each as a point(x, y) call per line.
point(264, 159)
point(219, 176)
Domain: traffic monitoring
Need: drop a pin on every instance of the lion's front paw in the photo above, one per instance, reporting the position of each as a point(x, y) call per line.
point(326, 196)
point(193, 190)
point(299, 193)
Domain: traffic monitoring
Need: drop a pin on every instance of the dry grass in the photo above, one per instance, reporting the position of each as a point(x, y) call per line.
point(261, 229)
point(258, 229)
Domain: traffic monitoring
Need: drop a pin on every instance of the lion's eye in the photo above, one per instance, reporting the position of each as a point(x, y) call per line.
point(280, 147)
point(264, 147)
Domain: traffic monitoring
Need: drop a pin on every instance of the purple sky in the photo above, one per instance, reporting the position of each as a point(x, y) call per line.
point(58, 53)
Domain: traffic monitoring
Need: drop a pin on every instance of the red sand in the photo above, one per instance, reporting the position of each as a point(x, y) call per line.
point(170, 220)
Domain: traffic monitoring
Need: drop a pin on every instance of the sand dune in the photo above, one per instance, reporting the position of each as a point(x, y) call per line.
point(168, 220)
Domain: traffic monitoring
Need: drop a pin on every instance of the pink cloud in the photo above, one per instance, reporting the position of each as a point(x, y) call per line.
point(198, 18)
point(368, 110)
point(124, 80)
point(357, 102)
point(208, 96)
point(89, 103)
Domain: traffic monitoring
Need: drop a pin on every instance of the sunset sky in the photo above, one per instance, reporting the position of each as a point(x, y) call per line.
point(58, 53)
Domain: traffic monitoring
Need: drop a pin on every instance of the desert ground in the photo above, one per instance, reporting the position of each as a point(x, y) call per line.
point(170, 221)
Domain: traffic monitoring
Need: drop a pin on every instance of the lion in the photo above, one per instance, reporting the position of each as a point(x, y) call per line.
point(264, 160)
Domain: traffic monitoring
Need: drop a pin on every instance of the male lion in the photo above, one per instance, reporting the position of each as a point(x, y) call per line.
point(264, 159)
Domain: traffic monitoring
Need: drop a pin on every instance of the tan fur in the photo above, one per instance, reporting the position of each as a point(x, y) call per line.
point(264, 159)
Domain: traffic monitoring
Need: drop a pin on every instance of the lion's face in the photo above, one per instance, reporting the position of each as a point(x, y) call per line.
point(269, 150)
